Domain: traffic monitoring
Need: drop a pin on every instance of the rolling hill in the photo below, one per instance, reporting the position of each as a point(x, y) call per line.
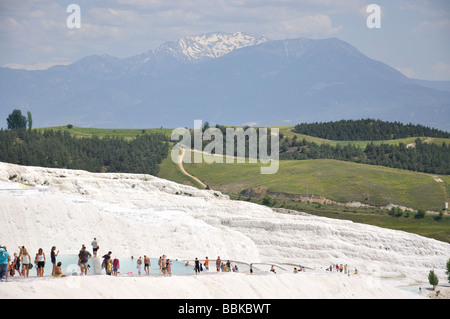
point(336, 189)
point(335, 180)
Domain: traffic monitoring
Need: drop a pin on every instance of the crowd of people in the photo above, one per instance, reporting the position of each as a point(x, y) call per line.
point(340, 268)
point(220, 266)
point(22, 263)
point(112, 265)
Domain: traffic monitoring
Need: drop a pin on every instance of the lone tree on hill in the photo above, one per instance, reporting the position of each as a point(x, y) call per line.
point(16, 120)
point(29, 120)
point(433, 279)
point(448, 270)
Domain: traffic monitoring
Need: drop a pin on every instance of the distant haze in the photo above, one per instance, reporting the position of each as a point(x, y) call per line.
point(225, 78)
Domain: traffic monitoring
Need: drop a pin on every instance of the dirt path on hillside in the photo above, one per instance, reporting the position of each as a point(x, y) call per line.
point(183, 170)
point(442, 185)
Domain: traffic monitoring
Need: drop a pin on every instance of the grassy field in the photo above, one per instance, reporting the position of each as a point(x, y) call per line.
point(124, 133)
point(288, 132)
point(335, 180)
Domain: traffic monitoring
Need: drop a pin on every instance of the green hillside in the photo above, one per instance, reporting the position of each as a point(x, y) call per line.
point(335, 180)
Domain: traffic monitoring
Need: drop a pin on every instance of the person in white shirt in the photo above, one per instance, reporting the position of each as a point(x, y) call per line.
point(95, 246)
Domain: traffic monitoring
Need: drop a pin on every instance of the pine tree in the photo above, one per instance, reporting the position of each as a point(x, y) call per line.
point(448, 270)
point(433, 279)
point(29, 120)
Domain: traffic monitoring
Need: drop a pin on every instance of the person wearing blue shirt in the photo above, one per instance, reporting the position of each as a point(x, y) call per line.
point(5, 258)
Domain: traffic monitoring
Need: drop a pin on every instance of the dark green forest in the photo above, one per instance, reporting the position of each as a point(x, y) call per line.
point(144, 153)
point(423, 157)
point(366, 130)
point(58, 149)
point(427, 158)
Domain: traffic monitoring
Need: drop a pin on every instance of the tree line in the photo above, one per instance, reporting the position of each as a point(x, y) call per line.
point(251, 139)
point(17, 121)
point(59, 149)
point(366, 130)
point(423, 157)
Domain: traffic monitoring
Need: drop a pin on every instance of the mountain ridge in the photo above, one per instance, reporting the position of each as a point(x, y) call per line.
point(232, 78)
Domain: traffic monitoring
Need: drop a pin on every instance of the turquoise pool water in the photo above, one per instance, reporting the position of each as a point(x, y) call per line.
point(128, 266)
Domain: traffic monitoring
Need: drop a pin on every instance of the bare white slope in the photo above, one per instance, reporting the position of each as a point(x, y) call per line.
point(215, 286)
point(142, 214)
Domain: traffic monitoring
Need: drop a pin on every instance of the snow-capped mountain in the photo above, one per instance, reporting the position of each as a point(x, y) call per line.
point(187, 50)
point(210, 45)
point(190, 49)
point(227, 79)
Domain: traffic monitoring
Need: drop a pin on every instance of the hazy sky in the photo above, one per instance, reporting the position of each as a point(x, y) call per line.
point(413, 38)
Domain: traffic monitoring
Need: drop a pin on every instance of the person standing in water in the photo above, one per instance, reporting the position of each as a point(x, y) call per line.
point(109, 267)
point(147, 265)
point(169, 267)
point(116, 266)
point(83, 260)
point(16, 264)
point(160, 264)
point(218, 263)
point(53, 256)
point(26, 262)
point(197, 266)
point(5, 258)
point(40, 257)
point(106, 258)
point(272, 269)
point(163, 264)
point(139, 265)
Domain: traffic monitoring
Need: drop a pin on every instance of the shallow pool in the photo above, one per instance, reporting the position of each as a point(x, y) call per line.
point(413, 289)
point(128, 266)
